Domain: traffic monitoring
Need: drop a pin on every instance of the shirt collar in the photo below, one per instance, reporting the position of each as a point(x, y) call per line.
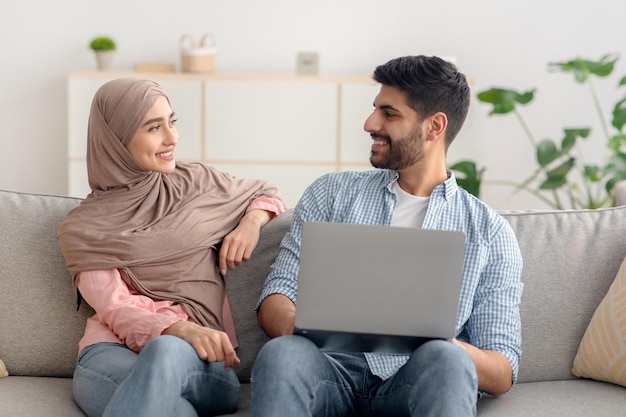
point(389, 177)
point(446, 189)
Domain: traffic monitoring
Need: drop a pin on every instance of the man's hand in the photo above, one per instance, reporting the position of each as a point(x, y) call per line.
point(211, 345)
point(238, 245)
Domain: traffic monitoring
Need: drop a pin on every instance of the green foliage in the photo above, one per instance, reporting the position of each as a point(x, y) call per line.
point(470, 177)
point(504, 100)
point(561, 170)
point(583, 68)
point(102, 43)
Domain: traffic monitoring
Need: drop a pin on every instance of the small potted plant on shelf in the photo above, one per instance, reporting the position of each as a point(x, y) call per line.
point(104, 47)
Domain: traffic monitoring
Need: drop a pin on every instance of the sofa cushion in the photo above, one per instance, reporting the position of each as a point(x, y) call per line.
point(602, 352)
point(41, 314)
point(570, 258)
point(557, 399)
point(244, 285)
point(37, 396)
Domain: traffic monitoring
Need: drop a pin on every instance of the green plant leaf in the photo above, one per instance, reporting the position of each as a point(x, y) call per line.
point(465, 167)
point(546, 152)
point(610, 184)
point(604, 67)
point(583, 68)
point(471, 178)
point(102, 43)
point(569, 140)
point(557, 177)
point(617, 167)
point(563, 169)
point(619, 114)
point(616, 164)
point(592, 172)
point(616, 142)
point(553, 183)
point(504, 100)
point(622, 81)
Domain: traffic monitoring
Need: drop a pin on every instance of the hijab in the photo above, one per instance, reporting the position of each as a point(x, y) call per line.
point(162, 231)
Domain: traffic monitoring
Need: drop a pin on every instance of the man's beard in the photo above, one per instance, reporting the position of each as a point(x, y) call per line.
point(401, 153)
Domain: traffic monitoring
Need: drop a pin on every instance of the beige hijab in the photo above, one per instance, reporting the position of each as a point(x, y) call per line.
point(161, 230)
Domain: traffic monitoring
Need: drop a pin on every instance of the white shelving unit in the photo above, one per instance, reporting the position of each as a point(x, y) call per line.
point(288, 129)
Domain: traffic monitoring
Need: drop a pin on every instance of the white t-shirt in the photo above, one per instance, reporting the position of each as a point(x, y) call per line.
point(410, 209)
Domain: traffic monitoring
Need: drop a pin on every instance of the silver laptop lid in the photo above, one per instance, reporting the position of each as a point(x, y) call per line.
point(379, 280)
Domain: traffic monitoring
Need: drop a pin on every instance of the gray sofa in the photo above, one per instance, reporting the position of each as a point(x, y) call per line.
point(571, 258)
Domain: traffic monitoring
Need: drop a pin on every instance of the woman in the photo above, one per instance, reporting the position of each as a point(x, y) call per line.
point(148, 249)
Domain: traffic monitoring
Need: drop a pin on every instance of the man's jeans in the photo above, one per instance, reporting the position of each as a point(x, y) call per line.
point(292, 377)
point(166, 379)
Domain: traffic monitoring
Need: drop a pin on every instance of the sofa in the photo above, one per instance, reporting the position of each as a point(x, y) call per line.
point(570, 261)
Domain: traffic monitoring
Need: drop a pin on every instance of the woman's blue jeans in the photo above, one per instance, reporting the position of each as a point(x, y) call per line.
point(292, 377)
point(166, 379)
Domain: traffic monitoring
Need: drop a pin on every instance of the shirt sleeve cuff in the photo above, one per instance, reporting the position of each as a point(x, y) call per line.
point(271, 205)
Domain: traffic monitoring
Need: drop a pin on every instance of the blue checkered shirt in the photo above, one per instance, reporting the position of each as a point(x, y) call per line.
point(488, 312)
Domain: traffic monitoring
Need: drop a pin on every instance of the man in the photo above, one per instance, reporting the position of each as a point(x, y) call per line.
point(421, 106)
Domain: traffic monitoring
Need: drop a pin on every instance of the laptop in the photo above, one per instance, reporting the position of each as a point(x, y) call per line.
point(366, 288)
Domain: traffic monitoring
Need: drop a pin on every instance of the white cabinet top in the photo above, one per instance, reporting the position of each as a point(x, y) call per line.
point(224, 76)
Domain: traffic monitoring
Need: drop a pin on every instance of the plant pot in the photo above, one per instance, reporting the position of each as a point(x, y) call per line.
point(104, 59)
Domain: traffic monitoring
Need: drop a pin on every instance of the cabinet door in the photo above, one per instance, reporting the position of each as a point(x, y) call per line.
point(356, 105)
point(78, 186)
point(282, 121)
point(80, 92)
point(291, 180)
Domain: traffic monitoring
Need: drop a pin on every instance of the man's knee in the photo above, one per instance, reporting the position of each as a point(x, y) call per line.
point(443, 354)
point(286, 354)
point(287, 349)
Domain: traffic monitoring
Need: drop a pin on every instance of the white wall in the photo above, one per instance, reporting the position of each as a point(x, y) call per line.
point(495, 42)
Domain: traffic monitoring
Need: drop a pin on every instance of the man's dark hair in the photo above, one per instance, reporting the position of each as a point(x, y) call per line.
point(431, 85)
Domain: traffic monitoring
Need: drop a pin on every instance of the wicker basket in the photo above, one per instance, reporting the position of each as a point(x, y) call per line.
point(198, 58)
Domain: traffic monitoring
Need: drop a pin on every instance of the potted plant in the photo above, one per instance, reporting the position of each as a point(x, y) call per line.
point(562, 178)
point(104, 48)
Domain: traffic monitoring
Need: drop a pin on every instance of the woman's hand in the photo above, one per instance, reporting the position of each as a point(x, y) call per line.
point(238, 245)
point(211, 345)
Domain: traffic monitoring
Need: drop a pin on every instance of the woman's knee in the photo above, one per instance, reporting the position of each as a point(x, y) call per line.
point(170, 353)
point(100, 369)
point(166, 345)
